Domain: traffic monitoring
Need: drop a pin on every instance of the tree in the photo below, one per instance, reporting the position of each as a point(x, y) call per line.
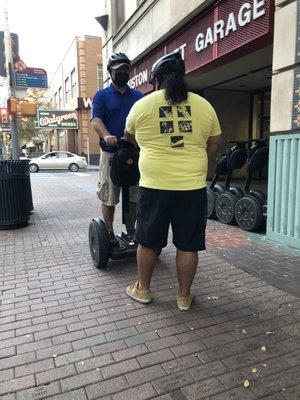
point(27, 126)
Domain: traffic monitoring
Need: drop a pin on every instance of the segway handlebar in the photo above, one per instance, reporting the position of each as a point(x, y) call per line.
point(122, 142)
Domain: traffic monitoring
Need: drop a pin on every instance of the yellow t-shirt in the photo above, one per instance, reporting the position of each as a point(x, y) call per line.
point(173, 140)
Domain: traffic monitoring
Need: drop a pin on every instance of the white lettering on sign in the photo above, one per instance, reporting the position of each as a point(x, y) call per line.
point(258, 8)
point(44, 121)
point(87, 101)
point(244, 17)
point(138, 79)
point(181, 49)
point(248, 12)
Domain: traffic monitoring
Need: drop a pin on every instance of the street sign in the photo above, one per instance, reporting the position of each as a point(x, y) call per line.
point(31, 78)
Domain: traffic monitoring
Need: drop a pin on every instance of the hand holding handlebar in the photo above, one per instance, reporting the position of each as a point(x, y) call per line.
point(111, 140)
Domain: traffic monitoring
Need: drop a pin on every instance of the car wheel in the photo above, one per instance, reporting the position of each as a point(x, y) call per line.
point(73, 167)
point(33, 168)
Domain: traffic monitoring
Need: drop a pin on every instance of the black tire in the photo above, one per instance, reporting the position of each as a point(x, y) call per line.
point(33, 168)
point(100, 248)
point(74, 167)
point(219, 188)
point(211, 203)
point(259, 195)
point(225, 208)
point(237, 192)
point(248, 214)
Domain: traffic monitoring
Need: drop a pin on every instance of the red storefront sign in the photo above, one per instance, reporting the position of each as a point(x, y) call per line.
point(230, 27)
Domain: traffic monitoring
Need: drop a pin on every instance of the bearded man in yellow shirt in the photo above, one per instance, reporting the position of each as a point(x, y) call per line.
point(175, 130)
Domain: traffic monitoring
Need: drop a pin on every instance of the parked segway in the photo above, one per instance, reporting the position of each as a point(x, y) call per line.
point(215, 189)
point(124, 173)
point(251, 209)
point(225, 203)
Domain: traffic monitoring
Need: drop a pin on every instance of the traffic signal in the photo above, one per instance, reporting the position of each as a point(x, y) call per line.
point(4, 116)
point(8, 137)
point(28, 109)
point(12, 106)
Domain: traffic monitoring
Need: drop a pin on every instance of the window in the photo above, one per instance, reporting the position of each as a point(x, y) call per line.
point(73, 83)
point(52, 155)
point(60, 99)
point(67, 89)
point(70, 155)
point(100, 76)
point(63, 155)
point(55, 100)
point(120, 13)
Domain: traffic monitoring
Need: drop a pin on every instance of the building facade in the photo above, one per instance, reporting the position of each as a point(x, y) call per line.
point(241, 56)
point(73, 85)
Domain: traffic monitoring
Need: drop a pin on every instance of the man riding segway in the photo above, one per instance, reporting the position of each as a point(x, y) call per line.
point(109, 111)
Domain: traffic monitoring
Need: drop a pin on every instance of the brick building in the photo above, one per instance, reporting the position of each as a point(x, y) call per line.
point(77, 78)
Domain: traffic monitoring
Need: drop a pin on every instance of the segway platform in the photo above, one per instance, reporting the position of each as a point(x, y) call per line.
point(124, 173)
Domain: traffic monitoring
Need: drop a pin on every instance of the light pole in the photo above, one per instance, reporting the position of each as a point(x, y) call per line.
point(10, 87)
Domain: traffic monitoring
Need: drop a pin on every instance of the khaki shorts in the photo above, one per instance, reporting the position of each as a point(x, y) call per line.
point(107, 192)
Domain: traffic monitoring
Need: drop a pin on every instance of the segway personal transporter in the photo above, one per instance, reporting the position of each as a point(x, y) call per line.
point(216, 189)
point(124, 173)
point(225, 203)
point(250, 210)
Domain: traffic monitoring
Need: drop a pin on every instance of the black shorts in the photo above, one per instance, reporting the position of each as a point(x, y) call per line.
point(186, 211)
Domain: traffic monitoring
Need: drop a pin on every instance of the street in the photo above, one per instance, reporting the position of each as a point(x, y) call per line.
point(68, 330)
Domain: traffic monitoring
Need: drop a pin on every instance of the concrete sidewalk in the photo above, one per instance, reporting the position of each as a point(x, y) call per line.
point(68, 331)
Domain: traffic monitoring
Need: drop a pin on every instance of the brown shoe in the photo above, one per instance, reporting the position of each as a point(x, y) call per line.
point(184, 303)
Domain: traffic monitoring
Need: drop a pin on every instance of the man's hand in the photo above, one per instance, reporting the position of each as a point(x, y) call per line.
point(213, 145)
point(130, 138)
point(111, 140)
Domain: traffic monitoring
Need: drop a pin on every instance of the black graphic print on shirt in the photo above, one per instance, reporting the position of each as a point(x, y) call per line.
point(165, 112)
point(166, 127)
point(178, 123)
point(177, 142)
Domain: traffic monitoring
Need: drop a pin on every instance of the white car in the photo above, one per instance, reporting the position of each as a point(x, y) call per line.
point(58, 160)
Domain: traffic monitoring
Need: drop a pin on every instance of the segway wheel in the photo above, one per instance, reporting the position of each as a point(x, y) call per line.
point(225, 207)
point(248, 214)
point(211, 202)
point(219, 188)
point(99, 243)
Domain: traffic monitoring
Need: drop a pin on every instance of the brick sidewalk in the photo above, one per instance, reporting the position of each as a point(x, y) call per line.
point(69, 332)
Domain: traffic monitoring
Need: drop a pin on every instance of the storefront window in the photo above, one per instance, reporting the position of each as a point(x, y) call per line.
point(263, 120)
point(60, 99)
point(100, 76)
point(120, 13)
point(73, 84)
point(67, 89)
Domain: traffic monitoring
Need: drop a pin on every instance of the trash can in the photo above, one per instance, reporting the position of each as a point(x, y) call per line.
point(15, 193)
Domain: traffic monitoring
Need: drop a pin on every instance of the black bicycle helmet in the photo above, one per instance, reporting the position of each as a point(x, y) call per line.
point(172, 62)
point(117, 58)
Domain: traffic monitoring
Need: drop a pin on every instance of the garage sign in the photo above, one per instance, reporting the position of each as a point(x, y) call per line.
point(228, 30)
point(57, 119)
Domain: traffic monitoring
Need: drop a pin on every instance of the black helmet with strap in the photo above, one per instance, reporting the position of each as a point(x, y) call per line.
point(172, 62)
point(117, 58)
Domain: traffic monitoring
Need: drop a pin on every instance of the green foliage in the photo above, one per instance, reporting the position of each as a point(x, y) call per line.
point(26, 126)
